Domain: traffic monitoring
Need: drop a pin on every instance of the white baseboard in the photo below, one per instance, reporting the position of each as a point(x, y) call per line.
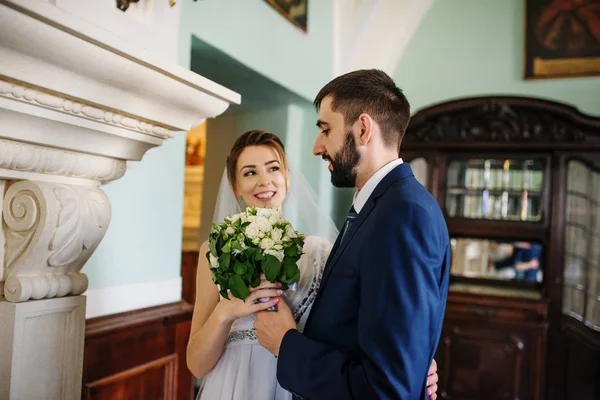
point(117, 299)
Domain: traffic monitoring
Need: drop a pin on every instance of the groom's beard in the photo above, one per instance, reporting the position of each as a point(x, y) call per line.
point(344, 163)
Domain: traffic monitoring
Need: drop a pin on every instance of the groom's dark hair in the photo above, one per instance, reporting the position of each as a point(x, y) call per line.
point(369, 91)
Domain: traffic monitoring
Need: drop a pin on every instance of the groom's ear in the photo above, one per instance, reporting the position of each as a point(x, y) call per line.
point(365, 126)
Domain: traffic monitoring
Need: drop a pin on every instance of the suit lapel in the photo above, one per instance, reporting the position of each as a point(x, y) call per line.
point(400, 172)
point(338, 250)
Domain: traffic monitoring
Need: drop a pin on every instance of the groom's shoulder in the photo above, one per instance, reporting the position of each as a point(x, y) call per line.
point(409, 197)
point(410, 189)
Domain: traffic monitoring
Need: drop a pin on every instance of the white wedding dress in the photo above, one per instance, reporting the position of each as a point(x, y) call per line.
point(246, 370)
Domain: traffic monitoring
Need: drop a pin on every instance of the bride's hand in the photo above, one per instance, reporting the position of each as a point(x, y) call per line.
point(234, 308)
point(432, 380)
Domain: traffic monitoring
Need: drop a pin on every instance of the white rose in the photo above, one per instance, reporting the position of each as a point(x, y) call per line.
point(267, 244)
point(230, 231)
point(267, 212)
point(276, 234)
point(277, 254)
point(278, 247)
point(214, 261)
point(273, 219)
point(252, 231)
point(289, 232)
point(263, 224)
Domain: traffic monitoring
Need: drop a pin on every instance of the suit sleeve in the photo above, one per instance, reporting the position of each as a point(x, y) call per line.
point(398, 320)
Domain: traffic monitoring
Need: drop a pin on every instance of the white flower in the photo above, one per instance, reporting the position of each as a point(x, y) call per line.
point(276, 253)
point(278, 247)
point(289, 232)
point(252, 230)
point(275, 218)
point(276, 234)
point(230, 231)
point(263, 224)
point(266, 212)
point(267, 244)
point(214, 261)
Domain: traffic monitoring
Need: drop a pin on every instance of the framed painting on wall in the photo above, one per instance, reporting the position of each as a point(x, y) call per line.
point(296, 11)
point(562, 38)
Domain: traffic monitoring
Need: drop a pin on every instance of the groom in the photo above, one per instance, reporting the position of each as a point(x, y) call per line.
point(375, 324)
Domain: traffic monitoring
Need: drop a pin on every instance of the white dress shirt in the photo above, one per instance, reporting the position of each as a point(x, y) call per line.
point(361, 196)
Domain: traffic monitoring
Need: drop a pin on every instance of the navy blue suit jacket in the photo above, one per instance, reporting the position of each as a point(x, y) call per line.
point(376, 322)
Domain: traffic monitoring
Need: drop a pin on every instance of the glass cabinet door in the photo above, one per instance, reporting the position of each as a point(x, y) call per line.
point(495, 259)
point(497, 189)
point(420, 170)
point(581, 280)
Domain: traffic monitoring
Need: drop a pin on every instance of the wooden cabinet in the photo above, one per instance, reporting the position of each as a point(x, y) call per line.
point(518, 180)
point(492, 350)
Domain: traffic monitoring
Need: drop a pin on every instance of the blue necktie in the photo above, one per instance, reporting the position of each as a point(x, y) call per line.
point(352, 214)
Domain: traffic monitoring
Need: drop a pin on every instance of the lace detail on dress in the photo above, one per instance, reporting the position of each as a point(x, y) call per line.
point(307, 302)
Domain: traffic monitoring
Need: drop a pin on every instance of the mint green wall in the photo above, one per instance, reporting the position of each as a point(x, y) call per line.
point(474, 48)
point(469, 48)
point(255, 34)
point(143, 240)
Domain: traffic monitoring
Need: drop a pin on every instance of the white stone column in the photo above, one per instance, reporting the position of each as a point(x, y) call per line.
point(76, 105)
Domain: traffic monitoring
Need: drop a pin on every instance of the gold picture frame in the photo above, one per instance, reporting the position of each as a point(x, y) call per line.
point(562, 38)
point(295, 11)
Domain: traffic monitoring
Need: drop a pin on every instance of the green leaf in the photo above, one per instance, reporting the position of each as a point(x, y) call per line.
point(284, 286)
point(224, 261)
point(255, 281)
point(235, 245)
point(271, 268)
point(224, 293)
point(212, 245)
point(237, 287)
point(291, 251)
point(250, 270)
point(290, 267)
point(239, 268)
point(227, 247)
point(295, 277)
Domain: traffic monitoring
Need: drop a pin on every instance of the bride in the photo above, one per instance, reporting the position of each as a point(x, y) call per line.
point(223, 348)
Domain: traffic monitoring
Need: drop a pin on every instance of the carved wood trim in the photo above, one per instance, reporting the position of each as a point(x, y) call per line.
point(170, 385)
point(167, 313)
point(501, 121)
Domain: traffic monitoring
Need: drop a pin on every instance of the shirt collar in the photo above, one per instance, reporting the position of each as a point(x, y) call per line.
point(361, 196)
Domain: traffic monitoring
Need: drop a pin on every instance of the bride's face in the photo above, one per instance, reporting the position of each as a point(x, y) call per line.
point(260, 178)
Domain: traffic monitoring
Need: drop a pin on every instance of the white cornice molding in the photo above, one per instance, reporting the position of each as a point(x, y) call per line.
point(44, 47)
point(27, 157)
point(77, 104)
point(83, 110)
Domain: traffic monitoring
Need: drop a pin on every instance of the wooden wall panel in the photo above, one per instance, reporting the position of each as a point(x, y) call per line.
point(189, 265)
point(138, 355)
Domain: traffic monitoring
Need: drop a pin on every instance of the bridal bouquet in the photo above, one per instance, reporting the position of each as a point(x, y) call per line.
point(246, 244)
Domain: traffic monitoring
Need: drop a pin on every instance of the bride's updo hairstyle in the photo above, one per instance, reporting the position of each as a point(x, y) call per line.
point(254, 138)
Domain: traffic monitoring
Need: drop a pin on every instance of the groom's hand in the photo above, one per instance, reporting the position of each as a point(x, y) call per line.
point(271, 326)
